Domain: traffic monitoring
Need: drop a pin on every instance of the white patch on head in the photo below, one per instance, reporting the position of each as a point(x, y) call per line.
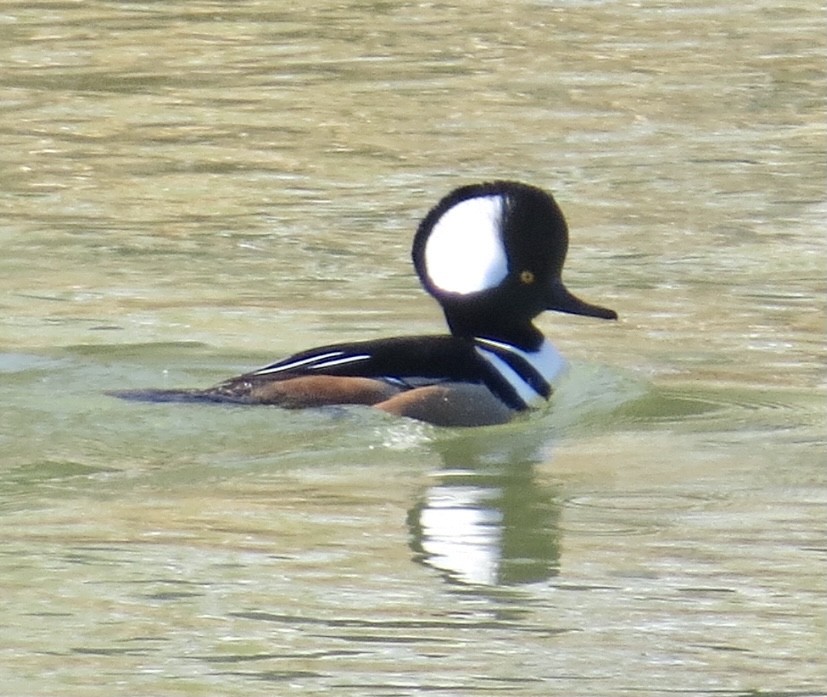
point(464, 252)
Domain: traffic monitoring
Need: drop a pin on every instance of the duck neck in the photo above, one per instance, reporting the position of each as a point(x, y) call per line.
point(522, 334)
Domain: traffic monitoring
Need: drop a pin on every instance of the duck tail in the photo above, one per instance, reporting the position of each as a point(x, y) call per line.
point(156, 395)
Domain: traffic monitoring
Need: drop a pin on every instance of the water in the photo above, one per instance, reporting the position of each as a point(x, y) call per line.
point(190, 190)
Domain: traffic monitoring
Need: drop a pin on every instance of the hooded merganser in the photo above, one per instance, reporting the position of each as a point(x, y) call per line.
point(492, 255)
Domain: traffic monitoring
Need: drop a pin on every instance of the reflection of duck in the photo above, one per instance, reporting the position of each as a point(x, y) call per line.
point(487, 520)
point(492, 255)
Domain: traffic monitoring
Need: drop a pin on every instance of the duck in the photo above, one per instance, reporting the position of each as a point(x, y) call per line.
point(491, 254)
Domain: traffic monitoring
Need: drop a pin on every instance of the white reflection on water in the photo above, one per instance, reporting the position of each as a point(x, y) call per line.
point(461, 533)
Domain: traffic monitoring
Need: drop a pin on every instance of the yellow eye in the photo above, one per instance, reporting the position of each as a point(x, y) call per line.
point(527, 277)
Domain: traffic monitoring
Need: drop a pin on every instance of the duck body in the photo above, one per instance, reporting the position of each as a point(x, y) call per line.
point(461, 381)
point(491, 254)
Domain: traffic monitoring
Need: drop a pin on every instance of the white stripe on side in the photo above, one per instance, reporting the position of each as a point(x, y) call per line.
point(323, 360)
point(341, 361)
point(546, 360)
